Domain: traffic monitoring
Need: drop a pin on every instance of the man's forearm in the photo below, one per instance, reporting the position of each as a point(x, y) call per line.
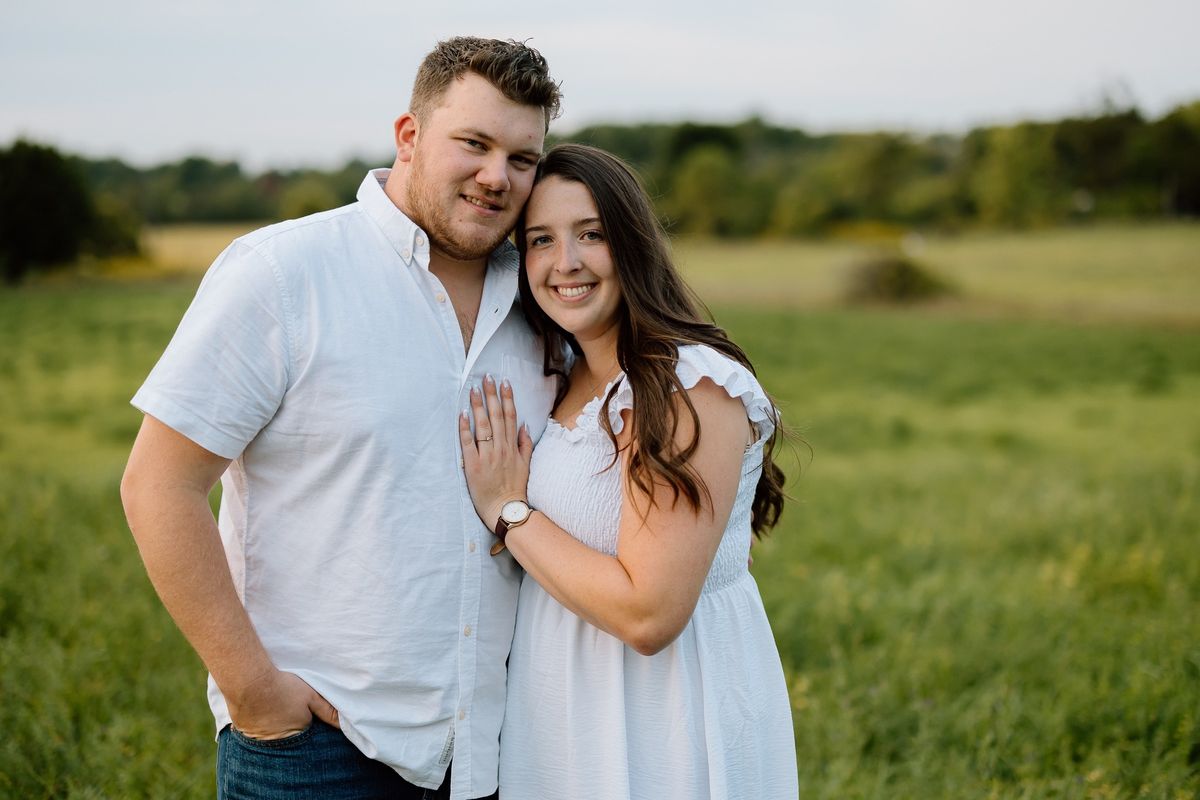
point(181, 548)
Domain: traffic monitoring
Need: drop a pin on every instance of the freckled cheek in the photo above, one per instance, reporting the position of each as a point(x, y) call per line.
point(536, 270)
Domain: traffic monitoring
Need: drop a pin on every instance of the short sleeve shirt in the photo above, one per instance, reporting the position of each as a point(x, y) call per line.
point(324, 358)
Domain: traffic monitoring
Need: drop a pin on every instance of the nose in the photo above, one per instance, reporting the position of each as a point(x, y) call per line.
point(568, 260)
point(493, 175)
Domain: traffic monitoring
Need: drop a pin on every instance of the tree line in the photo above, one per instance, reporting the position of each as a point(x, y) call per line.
point(747, 179)
point(754, 179)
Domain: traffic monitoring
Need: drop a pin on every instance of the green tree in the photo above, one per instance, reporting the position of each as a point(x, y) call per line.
point(868, 170)
point(803, 205)
point(1016, 180)
point(46, 212)
point(689, 137)
point(306, 196)
point(705, 193)
point(1103, 160)
point(1172, 147)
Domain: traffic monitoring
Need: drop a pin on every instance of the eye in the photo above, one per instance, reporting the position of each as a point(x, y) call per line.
point(537, 241)
point(474, 143)
point(524, 162)
point(593, 236)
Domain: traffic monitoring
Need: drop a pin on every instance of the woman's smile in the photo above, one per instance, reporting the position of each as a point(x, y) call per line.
point(574, 292)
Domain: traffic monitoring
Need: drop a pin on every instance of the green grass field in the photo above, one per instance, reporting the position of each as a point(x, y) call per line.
point(988, 585)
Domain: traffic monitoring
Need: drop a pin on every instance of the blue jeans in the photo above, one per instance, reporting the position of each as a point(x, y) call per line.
point(319, 762)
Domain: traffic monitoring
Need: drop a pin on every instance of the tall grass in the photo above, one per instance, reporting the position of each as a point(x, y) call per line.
point(101, 695)
point(989, 584)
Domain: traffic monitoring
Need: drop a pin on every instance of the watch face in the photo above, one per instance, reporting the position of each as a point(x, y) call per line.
point(514, 511)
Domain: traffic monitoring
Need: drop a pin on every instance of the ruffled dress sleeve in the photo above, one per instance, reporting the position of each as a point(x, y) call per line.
point(697, 362)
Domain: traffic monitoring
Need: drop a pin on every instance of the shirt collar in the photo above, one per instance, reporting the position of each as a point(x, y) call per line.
point(409, 241)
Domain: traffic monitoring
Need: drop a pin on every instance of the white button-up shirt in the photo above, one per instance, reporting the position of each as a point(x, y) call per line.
point(322, 356)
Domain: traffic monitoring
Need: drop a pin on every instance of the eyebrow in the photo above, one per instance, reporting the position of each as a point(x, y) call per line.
point(528, 152)
point(578, 223)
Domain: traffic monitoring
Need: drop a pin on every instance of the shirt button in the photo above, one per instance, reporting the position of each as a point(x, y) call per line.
point(407, 254)
point(471, 547)
point(420, 240)
point(467, 631)
point(462, 713)
point(441, 298)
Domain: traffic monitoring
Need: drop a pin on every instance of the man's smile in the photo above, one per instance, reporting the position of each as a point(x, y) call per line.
point(481, 204)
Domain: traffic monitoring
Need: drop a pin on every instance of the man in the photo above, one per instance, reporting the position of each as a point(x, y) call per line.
point(319, 374)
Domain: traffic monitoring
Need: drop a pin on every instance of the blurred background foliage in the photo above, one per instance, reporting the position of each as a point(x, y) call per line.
point(750, 179)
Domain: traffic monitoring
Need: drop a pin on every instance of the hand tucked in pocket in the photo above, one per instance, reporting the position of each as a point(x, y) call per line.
point(276, 705)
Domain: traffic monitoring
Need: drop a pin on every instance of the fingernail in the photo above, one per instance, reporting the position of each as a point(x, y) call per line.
point(474, 391)
point(465, 415)
point(487, 378)
point(507, 386)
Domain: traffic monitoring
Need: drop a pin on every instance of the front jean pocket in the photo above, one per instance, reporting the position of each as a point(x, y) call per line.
point(294, 740)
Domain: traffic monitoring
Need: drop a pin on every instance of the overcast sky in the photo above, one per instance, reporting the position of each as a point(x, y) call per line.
point(308, 83)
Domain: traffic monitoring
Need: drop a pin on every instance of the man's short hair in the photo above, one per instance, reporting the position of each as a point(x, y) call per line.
point(518, 71)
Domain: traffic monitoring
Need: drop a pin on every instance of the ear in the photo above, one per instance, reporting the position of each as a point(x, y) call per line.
point(406, 128)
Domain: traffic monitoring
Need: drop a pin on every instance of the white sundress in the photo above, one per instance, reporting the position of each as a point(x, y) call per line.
point(589, 717)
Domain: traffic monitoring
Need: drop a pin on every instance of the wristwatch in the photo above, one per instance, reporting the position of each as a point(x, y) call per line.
point(513, 514)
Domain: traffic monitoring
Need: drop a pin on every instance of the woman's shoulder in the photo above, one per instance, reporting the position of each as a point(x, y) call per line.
point(700, 361)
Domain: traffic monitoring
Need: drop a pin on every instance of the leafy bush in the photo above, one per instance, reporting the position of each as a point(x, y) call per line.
point(48, 215)
point(46, 212)
point(892, 278)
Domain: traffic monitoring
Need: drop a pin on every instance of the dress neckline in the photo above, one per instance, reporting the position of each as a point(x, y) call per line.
point(590, 408)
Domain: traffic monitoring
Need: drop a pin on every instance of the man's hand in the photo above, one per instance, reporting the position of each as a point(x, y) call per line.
point(278, 704)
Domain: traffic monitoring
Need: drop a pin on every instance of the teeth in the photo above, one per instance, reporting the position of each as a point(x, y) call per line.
point(479, 203)
point(575, 291)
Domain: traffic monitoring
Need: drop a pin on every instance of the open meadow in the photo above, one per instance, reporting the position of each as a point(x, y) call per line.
point(987, 585)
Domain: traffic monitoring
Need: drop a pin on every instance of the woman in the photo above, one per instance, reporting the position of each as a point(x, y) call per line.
point(642, 665)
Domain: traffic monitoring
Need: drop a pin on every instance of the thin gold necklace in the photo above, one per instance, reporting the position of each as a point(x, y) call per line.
point(604, 381)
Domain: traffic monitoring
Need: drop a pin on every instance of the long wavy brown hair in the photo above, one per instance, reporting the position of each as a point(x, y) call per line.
point(659, 312)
